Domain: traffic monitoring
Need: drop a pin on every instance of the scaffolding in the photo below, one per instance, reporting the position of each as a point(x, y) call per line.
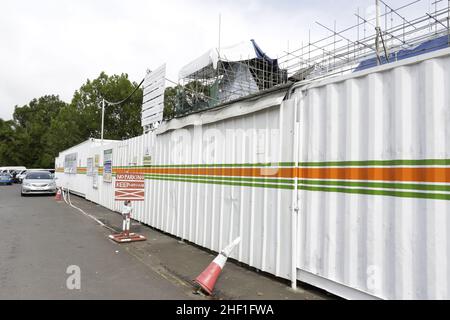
point(221, 76)
point(355, 48)
point(389, 36)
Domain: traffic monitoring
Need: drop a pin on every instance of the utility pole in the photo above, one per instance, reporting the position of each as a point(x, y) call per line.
point(103, 117)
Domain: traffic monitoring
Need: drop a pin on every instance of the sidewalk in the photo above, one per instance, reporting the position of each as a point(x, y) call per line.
point(181, 262)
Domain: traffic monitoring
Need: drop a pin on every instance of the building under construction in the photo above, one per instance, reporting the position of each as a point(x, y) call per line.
point(226, 74)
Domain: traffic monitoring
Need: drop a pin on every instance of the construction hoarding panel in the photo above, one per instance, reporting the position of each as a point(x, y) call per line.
point(70, 163)
point(107, 165)
point(210, 184)
point(374, 183)
point(90, 167)
point(95, 172)
point(79, 182)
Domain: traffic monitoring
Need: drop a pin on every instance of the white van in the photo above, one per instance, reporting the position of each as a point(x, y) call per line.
point(9, 169)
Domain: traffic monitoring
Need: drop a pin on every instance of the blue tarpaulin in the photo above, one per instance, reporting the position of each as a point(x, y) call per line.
point(425, 47)
point(261, 55)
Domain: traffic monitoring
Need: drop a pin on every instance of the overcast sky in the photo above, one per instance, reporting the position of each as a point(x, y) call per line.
point(53, 46)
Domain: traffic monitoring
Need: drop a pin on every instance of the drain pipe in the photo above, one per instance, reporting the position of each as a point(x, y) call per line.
point(294, 204)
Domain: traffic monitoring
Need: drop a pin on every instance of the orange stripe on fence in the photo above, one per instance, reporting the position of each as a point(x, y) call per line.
point(439, 175)
point(430, 174)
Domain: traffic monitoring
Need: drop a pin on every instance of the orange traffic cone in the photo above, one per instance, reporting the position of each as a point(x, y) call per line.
point(207, 279)
point(58, 195)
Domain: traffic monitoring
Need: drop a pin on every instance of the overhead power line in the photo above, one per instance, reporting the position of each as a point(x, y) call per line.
point(126, 99)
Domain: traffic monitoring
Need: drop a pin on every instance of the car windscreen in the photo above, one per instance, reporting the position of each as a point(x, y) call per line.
point(39, 176)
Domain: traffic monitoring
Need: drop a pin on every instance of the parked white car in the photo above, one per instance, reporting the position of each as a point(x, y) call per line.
point(38, 182)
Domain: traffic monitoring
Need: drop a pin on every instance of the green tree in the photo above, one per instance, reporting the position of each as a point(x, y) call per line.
point(121, 121)
point(46, 126)
point(8, 154)
point(170, 101)
point(31, 123)
point(64, 132)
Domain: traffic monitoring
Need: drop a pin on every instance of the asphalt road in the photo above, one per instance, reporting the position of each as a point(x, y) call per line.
point(40, 239)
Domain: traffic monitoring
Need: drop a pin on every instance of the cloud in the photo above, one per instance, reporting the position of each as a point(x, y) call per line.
point(53, 46)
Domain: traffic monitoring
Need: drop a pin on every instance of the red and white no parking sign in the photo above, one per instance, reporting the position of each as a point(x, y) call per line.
point(130, 186)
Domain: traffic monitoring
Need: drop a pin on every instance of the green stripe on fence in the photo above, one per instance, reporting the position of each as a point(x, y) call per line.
point(419, 195)
point(379, 185)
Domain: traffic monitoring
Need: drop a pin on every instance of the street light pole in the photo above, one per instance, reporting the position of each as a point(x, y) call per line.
point(103, 117)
